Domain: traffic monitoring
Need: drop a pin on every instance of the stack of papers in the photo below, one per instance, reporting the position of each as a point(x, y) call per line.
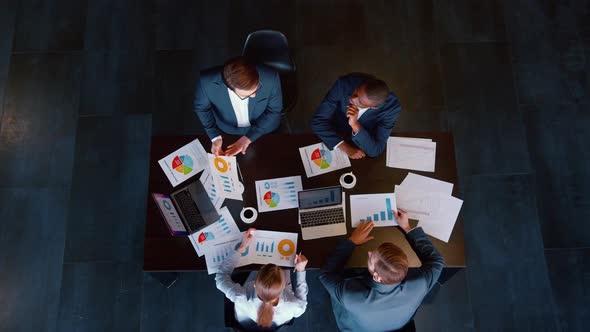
point(411, 153)
point(266, 247)
point(224, 171)
point(430, 202)
point(318, 159)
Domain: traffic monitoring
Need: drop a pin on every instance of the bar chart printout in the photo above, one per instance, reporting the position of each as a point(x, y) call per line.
point(378, 208)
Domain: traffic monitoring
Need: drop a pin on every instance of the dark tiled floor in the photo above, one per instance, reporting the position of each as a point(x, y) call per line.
point(84, 84)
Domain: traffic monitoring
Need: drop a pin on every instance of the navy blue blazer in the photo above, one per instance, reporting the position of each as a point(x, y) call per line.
point(330, 123)
point(362, 304)
point(213, 106)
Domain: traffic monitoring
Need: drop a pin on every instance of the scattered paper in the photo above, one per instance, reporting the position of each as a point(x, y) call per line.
point(441, 225)
point(409, 139)
point(224, 227)
point(225, 176)
point(209, 185)
point(278, 194)
point(411, 154)
point(378, 208)
point(220, 250)
point(318, 159)
point(185, 162)
point(423, 183)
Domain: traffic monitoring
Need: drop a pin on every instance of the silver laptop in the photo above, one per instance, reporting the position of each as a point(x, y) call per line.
point(321, 213)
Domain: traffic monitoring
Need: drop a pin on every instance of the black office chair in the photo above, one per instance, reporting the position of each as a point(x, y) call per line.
point(271, 48)
point(229, 310)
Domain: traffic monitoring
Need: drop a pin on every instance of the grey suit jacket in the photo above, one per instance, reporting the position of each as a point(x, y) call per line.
point(362, 304)
point(213, 106)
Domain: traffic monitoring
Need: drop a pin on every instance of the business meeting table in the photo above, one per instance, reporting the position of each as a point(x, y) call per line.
point(277, 155)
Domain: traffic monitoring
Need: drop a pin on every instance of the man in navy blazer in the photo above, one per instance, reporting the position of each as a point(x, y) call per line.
point(239, 98)
point(387, 297)
point(357, 116)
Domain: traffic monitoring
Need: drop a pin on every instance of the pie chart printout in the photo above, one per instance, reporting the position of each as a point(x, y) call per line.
point(322, 158)
point(183, 164)
point(286, 247)
point(272, 199)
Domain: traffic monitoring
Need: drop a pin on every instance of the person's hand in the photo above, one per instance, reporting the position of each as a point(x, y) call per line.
point(246, 239)
point(300, 263)
point(238, 146)
point(351, 151)
point(216, 148)
point(352, 113)
point(360, 234)
point(401, 217)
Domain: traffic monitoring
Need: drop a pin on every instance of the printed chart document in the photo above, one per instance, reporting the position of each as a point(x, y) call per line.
point(185, 162)
point(414, 154)
point(207, 181)
point(278, 194)
point(225, 176)
point(220, 249)
point(400, 139)
point(424, 183)
point(378, 208)
point(318, 159)
point(225, 226)
point(441, 225)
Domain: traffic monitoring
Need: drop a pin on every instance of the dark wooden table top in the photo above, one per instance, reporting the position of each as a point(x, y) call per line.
point(275, 156)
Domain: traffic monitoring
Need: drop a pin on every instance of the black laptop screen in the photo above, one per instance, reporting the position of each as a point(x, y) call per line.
point(320, 197)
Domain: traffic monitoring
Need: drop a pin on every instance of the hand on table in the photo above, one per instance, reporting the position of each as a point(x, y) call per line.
point(352, 113)
point(216, 148)
point(401, 217)
point(300, 263)
point(241, 145)
point(351, 151)
point(246, 239)
point(360, 234)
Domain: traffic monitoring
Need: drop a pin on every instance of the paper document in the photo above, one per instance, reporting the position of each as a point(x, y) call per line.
point(209, 185)
point(220, 250)
point(378, 208)
point(408, 139)
point(423, 183)
point(317, 159)
point(185, 162)
point(225, 226)
point(418, 204)
point(278, 194)
point(225, 176)
point(411, 154)
point(441, 225)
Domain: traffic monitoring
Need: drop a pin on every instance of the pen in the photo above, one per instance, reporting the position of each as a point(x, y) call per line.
point(294, 270)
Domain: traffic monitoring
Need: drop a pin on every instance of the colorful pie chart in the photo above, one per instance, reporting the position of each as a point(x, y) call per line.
point(183, 164)
point(322, 158)
point(272, 199)
point(204, 236)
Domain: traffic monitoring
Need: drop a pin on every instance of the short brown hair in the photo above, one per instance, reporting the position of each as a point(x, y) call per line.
point(377, 91)
point(390, 262)
point(239, 73)
point(269, 286)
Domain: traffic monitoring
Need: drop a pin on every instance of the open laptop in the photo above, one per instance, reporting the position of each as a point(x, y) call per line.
point(321, 212)
point(191, 205)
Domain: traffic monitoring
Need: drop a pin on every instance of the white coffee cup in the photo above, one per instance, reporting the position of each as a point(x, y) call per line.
point(251, 212)
point(348, 180)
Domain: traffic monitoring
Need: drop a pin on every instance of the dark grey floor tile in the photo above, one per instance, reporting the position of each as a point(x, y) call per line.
point(387, 22)
point(32, 234)
point(7, 21)
point(100, 297)
point(558, 141)
point(109, 189)
point(193, 303)
point(489, 142)
point(449, 310)
point(117, 82)
point(176, 75)
point(507, 274)
point(56, 25)
point(120, 25)
point(468, 21)
point(478, 78)
point(421, 121)
point(39, 121)
point(319, 314)
point(569, 273)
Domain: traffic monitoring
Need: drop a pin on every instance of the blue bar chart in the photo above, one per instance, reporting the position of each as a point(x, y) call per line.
point(377, 208)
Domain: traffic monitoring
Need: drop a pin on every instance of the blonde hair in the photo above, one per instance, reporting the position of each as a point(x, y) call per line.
point(269, 286)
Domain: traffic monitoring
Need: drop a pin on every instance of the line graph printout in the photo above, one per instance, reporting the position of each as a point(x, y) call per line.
point(417, 155)
point(278, 194)
point(318, 159)
point(378, 208)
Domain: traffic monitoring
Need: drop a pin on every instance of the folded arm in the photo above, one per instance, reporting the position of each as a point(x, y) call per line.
point(374, 143)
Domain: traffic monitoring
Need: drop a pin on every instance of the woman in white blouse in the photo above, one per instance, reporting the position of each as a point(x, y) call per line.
point(267, 299)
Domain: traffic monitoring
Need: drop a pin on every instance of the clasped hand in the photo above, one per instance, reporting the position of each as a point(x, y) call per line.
point(241, 145)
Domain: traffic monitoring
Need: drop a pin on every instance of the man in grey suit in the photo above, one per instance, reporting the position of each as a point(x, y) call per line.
point(239, 98)
point(387, 297)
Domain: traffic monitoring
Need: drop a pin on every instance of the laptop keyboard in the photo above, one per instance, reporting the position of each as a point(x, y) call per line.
point(189, 210)
point(322, 217)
